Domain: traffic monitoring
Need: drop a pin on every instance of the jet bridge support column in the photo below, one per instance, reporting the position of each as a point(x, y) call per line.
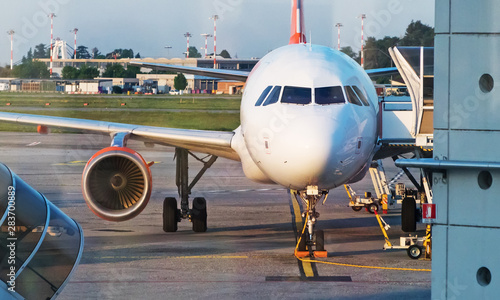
point(467, 140)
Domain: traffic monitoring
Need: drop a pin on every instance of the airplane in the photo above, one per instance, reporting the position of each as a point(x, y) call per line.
point(308, 123)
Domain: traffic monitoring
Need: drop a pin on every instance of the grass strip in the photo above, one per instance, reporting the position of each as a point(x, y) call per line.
point(189, 120)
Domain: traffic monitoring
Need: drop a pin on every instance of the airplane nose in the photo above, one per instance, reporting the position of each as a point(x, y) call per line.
point(310, 151)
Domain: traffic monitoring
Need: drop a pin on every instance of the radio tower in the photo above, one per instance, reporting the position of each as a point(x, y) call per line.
point(51, 16)
point(338, 25)
point(206, 35)
point(11, 33)
point(363, 17)
point(187, 35)
point(75, 31)
point(215, 18)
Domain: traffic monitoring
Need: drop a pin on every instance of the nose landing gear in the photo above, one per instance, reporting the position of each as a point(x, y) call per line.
point(311, 241)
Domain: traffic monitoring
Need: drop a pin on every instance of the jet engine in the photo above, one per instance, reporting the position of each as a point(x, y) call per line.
point(116, 184)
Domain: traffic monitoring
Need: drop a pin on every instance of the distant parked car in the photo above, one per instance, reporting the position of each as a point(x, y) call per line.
point(174, 92)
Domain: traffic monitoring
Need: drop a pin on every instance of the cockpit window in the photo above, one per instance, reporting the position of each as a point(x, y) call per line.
point(351, 96)
point(329, 95)
point(274, 96)
point(361, 95)
point(263, 96)
point(296, 95)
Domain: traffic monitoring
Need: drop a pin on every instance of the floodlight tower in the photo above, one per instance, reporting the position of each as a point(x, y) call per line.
point(168, 50)
point(363, 17)
point(11, 33)
point(75, 31)
point(338, 25)
point(215, 18)
point(187, 35)
point(51, 16)
point(206, 35)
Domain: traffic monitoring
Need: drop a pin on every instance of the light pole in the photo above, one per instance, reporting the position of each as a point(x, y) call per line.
point(187, 35)
point(11, 33)
point(168, 51)
point(363, 17)
point(75, 31)
point(215, 18)
point(51, 16)
point(338, 25)
point(206, 35)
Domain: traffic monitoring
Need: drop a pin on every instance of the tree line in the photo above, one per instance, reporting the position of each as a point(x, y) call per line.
point(30, 67)
point(376, 50)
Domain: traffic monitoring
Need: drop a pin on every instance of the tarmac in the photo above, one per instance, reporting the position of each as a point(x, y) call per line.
point(247, 252)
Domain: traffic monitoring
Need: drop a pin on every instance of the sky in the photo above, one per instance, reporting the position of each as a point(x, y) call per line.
point(246, 28)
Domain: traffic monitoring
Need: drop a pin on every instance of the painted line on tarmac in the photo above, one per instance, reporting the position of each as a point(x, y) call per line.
point(33, 144)
point(72, 163)
point(175, 257)
point(242, 191)
point(317, 278)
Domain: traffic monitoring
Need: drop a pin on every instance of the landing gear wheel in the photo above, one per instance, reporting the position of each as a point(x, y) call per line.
point(170, 215)
point(409, 215)
point(320, 240)
point(372, 208)
point(357, 208)
point(199, 214)
point(414, 252)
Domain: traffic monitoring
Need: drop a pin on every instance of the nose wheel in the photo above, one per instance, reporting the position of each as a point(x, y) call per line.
point(311, 242)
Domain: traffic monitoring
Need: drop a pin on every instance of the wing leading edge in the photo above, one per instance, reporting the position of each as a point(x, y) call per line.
point(211, 142)
point(217, 73)
point(233, 74)
point(382, 72)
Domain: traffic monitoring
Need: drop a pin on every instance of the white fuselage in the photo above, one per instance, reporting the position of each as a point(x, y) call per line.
point(306, 143)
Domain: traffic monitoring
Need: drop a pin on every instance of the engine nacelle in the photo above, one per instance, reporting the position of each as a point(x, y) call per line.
point(116, 184)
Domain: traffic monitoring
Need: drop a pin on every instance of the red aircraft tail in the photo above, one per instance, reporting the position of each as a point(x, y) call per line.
point(297, 35)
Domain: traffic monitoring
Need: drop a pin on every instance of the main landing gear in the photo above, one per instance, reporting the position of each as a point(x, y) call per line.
point(198, 212)
point(311, 241)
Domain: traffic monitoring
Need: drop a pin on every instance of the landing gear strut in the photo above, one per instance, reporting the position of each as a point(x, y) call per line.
point(198, 213)
point(312, 242)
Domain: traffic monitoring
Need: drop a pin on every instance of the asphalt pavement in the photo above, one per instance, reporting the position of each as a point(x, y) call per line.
point(247, 252)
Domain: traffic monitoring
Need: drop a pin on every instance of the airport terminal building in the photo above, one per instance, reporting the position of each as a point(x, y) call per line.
point(161, 83)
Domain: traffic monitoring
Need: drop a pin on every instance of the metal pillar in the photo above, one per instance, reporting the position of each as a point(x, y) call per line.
point(215, 18)
point(51, 16)
point(363, 17)
point(466, 134)
point(338, 25)
point(11, 33)
point(182, 179)
point(184, 187)
point(75, 31)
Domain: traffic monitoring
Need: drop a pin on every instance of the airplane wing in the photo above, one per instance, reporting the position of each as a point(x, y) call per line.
point(382, 72)
point(211, 142)
point(217, 73)
point(234, 74)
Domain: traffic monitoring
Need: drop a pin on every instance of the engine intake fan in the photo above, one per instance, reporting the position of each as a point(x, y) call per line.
point(117, 184)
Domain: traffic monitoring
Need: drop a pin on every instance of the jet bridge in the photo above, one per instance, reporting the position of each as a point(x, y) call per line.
point(409, 120)
point(40, 247)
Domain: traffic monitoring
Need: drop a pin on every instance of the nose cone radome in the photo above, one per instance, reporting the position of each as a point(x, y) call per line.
point(310, 151)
